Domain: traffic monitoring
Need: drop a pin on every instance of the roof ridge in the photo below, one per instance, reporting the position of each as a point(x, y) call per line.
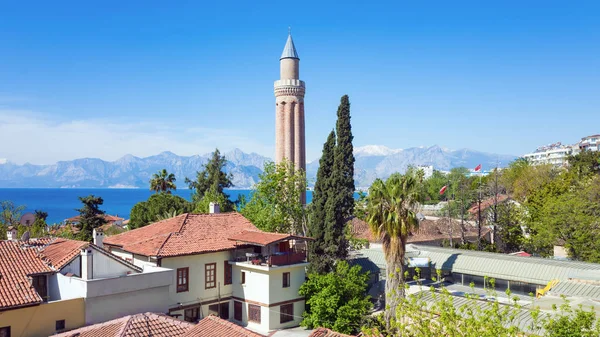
point(123, 331)
point(170, 234)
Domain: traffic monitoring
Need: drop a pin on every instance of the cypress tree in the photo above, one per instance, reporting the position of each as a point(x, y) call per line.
point(344, 159)
point(340, 203)
point(316, 228)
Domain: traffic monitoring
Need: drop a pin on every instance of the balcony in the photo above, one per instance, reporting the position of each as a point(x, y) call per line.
point(274, 260)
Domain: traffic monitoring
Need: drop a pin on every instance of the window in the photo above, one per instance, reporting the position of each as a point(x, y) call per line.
point(210, 273)
point(228, 270)
point(183, 275)
point(237, 311)
point(243, 277)
point(286, 280)
point(254, 313)
point(286, 313)
point(60, 325)
point(191, 315)
point(5, 331)
point(221, 310)
point(39, 284)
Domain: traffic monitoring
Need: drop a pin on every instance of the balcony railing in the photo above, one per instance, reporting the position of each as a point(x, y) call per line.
point(278, 259)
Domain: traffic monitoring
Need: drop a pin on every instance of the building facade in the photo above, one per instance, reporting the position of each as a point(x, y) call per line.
point(289, 110)
point(51, 285)
point(224, 266)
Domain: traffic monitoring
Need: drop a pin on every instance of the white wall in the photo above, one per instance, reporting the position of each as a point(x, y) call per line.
point(74, 267)
point(277, 293)
point(104, 308)
point(105, 267)
point(257, 283)
point(63, 287)
point(274, 317)
point(196, 287)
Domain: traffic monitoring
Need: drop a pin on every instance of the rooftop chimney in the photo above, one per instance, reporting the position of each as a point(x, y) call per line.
point(214, 208)
point(98, 234)
point(11, 233)
point(87, 264)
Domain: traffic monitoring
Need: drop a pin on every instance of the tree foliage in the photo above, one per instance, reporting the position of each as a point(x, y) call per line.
point(154, 209)
point(336, 300)
point(392, 216)
point(90, 216)
point(163, 182)
point(275, 204)
point(210, 184)
point(319, 262)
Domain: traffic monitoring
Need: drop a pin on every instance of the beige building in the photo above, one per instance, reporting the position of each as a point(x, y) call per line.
point(289, 110)
point(223, 265)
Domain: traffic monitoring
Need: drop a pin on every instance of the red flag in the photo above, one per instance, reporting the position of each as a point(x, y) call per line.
point(443, 189)
point(478, 168)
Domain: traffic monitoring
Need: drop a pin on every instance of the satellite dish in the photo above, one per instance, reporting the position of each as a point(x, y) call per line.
point(420, 216)
point(25, 236)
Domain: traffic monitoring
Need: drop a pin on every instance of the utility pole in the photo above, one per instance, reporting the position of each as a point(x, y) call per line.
point(495, 205)
point(462, 213)
point(449, 219)
point(479, 216)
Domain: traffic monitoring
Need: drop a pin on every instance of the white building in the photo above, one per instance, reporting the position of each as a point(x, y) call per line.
point(591, 143)
point(65, 271)
point(554, 154)
point(224, 265)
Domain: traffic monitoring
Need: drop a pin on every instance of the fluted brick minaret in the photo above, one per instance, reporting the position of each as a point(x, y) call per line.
point(289, 110)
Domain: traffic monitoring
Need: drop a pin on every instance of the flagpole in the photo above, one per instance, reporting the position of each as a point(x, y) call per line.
point(479, 215)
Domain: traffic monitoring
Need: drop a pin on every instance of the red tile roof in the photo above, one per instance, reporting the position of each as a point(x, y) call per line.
point(323, 332)
point(264, 238)
point(183, 235)
point(147, 324)
point(19, 260)
point(429, 230)
point(486, 203)
point(213, 326)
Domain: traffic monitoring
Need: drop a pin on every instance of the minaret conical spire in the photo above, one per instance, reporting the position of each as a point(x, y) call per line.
point(289, 51)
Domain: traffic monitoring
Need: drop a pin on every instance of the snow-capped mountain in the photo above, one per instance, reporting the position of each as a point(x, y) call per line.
point(372, 161)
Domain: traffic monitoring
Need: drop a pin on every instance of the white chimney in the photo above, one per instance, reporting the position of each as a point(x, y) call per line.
point(11, 234)
point(98, 234)
point(214, 208)
point(87, 264)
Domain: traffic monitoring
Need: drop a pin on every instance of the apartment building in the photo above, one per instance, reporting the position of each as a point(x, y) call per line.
point(51, 285)
point(224, 266)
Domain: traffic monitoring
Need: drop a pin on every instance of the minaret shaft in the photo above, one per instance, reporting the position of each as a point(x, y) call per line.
point(289, 111)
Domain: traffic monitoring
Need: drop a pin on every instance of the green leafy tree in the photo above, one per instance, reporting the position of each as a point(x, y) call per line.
point(153, 209)
point(319, 262)
point(10, 214)
point(392, 216)
point(163, 182)
point(585, 163)
point(90, 216)
point(210, 184)
point(432, 187)
point(336, 300)
point(275, 204)
point(510, 237)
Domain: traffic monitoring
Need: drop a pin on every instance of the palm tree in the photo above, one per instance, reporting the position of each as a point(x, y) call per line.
point(163, 182)
point(392, 215)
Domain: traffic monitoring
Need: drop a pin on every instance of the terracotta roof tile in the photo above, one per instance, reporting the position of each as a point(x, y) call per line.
point(263, 238)
point(19, 260)
point(487, 203)
point(147, 324)
point(323, 332)
point(213, 326)
point(429, 230)
point(183, 235)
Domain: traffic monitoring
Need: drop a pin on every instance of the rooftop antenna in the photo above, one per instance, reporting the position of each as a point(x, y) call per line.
point(25, 236)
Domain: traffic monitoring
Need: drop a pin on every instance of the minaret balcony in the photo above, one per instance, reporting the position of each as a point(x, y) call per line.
point(289, 82)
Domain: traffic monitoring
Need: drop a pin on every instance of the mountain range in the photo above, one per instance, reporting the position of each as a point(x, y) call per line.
point(372, 161)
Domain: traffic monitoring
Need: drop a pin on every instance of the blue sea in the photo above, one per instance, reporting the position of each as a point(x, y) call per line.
point(60, 203)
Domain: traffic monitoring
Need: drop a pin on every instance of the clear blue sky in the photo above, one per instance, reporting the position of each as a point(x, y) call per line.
point(102, 80)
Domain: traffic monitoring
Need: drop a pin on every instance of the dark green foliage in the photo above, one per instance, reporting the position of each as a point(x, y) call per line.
point(339, 206)
point(319, 262)
point(90, 216)
point(210, 183)
point(41, 215)
point(336, 300)
point(154, 209)
point(585, 163)
point(343, 167)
